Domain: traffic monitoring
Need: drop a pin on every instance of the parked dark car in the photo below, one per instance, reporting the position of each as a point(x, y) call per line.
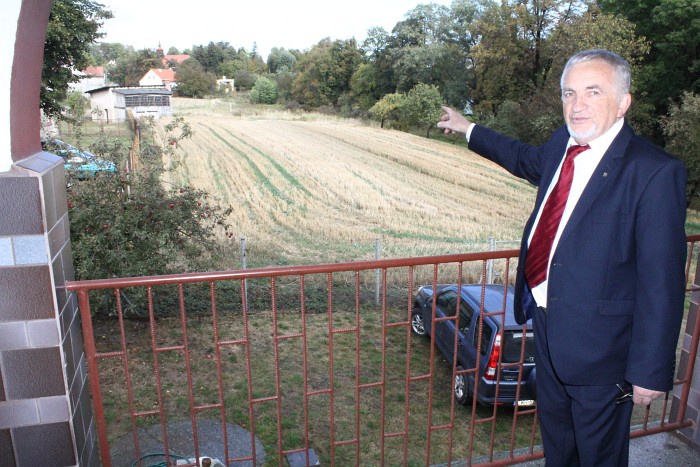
point(83, 164)
point(506, 347)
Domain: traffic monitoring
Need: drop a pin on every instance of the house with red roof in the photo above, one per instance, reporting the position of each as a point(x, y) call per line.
point(170, 60)
point(92, 77)
point(159, 77)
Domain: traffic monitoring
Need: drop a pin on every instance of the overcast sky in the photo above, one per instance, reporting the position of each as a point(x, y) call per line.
point(269, 23)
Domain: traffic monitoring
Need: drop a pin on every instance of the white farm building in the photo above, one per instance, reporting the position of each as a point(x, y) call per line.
point(112, 104)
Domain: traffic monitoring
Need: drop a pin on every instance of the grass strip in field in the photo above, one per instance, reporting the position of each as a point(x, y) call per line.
point(259, 175)
point(287, 176)
point(216, 175)
point(429, 238)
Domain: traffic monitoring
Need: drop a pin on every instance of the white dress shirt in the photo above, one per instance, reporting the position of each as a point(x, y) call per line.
point(584, 166)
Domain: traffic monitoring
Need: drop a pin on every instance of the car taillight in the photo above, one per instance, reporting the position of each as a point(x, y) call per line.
point(490, 374)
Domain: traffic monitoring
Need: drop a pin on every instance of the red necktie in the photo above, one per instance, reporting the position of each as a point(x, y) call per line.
point(541, 244)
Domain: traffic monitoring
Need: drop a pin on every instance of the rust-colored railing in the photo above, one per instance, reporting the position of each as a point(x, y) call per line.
point(303, 362)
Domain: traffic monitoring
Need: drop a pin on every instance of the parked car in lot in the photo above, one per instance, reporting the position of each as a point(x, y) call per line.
point(83, 164)
point(499, 347)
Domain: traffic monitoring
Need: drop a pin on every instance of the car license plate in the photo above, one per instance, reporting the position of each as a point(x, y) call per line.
point(525, 403)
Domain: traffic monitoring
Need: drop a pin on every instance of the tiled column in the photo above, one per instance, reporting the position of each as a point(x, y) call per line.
point(45, 412)
point(692, 433)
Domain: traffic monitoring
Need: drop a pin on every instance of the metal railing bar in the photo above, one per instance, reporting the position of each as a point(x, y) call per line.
point(331, 373)
point(234, 342)
point(305, 364)
point(432, 368)
point(407, 387)
point(249, 376)
point(188, 368)
point(289, 336)
point(358, 322)
point(277, 271)
point(109, 355)
point(94, 375)
point(344, 330)
point(382, 386)
point(318, 392)
point(176, 348)
point(347, 442)
point(276, 356)
point(156, 365)
point(260, 400)
point(127, 373)
point(219, 368)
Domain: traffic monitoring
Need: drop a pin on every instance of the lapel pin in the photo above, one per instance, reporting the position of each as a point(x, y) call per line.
point(605, 174)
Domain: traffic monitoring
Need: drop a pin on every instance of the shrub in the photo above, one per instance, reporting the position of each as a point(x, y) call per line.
point(264, 91)
point(129, 223)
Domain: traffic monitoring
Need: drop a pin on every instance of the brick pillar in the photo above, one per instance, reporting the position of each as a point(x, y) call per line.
point(45, 409)
point(45, 412)
point(692, 433)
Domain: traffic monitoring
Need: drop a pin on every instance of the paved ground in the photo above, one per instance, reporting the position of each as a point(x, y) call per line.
point(661, 450)
point(180, 442)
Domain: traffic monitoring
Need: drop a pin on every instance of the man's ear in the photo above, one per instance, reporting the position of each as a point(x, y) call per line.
point(624, 105)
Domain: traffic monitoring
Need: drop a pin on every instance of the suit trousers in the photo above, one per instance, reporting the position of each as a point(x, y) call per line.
point(580, 425)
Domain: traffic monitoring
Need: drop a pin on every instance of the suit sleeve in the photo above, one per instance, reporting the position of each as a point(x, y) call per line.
point(520, 159)
point(660, 282)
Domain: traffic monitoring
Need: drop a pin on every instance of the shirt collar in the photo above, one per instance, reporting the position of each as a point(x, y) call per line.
point(602, 142)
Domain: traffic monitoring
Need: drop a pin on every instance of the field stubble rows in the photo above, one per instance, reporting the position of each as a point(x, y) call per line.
point(323, 191)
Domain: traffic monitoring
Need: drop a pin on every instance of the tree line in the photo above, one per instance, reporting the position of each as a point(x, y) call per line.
point(499, 60)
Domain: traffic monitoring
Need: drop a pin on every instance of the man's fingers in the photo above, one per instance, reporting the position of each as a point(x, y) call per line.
point(643, 396)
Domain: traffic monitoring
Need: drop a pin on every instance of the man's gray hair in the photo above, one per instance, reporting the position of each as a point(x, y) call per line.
point(620, 67)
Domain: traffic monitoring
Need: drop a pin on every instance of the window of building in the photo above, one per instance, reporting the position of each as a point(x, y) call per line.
point(147, 100)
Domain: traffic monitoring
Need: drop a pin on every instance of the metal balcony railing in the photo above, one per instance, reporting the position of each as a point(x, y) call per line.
point(276, 364)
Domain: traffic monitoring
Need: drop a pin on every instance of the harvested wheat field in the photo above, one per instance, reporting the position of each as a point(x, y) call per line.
point(321, 189)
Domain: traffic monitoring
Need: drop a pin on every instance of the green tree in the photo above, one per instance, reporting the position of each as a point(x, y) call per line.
point(264, 91)
point(363, 86)
point(431, 45)
point(102, 53)
point(76, 105)
point(673, 30)
point(193, 80)
point(284, 80)
point(378, 53)
point(388, 107)
point(325, 72)
point(682, 131)
point(422, 106)
point(421, 26)
point(281, 61)
point(245, 79)
point(213, 55)
point(73, 26)
point(131, 67)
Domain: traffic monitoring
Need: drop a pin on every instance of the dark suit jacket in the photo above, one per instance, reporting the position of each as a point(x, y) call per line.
point(617, 278)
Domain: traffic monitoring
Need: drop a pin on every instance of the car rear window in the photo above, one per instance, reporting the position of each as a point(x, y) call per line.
point(512, 345)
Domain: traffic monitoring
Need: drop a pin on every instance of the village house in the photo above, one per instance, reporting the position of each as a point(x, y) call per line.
point(226, 84)
point(159, 77)
point(170, 60)
point(92, 77)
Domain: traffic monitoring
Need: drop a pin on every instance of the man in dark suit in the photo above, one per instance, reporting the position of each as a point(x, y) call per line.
point(601, 269)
